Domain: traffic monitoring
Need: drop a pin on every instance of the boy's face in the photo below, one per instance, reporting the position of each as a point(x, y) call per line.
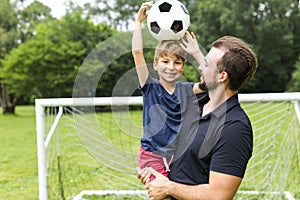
point(169, 67)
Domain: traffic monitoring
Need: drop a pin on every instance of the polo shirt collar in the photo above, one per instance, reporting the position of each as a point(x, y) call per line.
point(223, 108)
point(226, 106)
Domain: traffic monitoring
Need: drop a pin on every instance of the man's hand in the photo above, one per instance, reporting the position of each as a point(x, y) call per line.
point(158, 189)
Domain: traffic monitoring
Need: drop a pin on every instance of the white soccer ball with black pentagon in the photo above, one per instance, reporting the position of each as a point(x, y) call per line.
point(168, 20)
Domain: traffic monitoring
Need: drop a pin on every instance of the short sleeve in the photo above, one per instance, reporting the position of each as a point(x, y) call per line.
point(145, 89)
point(233, 150)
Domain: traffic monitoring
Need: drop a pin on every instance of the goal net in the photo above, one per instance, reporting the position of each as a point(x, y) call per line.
point(87, 147)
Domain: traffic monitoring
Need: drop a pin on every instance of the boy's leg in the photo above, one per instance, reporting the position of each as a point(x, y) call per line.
point(149, 159)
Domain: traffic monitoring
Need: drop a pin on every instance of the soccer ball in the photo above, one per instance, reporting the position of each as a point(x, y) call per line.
point(168, 20)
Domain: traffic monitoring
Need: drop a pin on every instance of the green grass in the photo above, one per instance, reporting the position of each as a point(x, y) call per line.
point(112, 197)
point(18, 172)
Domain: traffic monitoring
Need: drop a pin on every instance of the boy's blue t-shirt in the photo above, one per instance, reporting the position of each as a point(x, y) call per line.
point(163, 114)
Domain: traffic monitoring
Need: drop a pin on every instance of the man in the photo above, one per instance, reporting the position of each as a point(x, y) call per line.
point(211, 160)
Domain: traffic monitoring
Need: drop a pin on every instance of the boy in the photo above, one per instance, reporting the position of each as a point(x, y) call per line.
point(166, 100)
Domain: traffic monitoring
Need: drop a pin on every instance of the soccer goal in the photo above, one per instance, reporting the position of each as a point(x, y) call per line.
point(87, 147)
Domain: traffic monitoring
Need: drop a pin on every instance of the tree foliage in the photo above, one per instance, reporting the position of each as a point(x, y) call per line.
point(271, 27)
point(41, 56)
point(47, 64)
point(294, 85)
point(266, 25)
point(16, 26)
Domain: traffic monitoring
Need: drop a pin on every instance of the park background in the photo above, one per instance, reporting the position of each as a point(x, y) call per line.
point(40, 56)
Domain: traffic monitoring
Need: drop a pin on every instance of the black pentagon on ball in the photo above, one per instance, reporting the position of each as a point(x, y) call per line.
point(177, 26)
point(155, 27)
point(165, 7)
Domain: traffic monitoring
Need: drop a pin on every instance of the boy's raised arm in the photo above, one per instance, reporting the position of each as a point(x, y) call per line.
point(190, 45)
point(137, 44)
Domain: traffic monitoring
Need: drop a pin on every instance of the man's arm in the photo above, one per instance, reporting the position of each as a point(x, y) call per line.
point(137, 45)
point(221, 187)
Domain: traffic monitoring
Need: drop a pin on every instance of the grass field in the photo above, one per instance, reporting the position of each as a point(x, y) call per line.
point(18, 173)
point(19, 179)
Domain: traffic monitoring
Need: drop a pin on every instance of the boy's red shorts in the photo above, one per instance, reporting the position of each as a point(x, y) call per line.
point(149, 159)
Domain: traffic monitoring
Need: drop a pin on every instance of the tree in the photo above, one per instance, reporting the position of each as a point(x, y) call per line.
point(46, 65)
point(266, 25)
point(271, 27)
point(294, 85)
point(8, 33)
point(16, 26)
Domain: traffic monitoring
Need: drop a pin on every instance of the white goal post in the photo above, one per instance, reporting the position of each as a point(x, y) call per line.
point(275, 162)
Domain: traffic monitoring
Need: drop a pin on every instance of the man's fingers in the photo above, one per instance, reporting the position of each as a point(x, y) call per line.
point(156, 174)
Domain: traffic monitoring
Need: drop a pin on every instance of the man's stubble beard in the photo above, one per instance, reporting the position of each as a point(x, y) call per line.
point(202, 84)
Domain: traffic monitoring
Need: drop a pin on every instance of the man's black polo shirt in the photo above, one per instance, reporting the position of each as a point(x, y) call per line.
point(222, 142)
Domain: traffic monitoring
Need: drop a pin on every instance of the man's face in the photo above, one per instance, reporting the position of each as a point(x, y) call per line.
point(208, 69)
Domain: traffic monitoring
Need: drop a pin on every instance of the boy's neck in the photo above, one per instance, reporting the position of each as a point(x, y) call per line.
point(169, 87)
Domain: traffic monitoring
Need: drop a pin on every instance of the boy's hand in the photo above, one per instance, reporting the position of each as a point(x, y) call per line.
point(190, 45)
point(144, 174)
point(142, 14)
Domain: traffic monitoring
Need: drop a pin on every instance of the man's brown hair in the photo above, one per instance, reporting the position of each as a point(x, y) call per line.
point(239, 61)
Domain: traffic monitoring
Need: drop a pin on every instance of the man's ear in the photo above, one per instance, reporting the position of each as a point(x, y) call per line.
point(223, 77)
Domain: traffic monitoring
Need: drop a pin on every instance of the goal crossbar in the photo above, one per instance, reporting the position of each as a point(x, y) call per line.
point(294, 96)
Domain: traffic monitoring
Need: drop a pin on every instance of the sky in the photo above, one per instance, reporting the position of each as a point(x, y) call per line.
point(57, 6)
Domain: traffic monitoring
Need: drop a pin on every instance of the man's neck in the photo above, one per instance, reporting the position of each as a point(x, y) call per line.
point(217, 97)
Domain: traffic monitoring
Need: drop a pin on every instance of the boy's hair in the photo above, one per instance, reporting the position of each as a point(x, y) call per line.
point(166, 47)
point(239, 61)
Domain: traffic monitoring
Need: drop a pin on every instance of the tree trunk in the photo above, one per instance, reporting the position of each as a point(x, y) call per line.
point(6, 104)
